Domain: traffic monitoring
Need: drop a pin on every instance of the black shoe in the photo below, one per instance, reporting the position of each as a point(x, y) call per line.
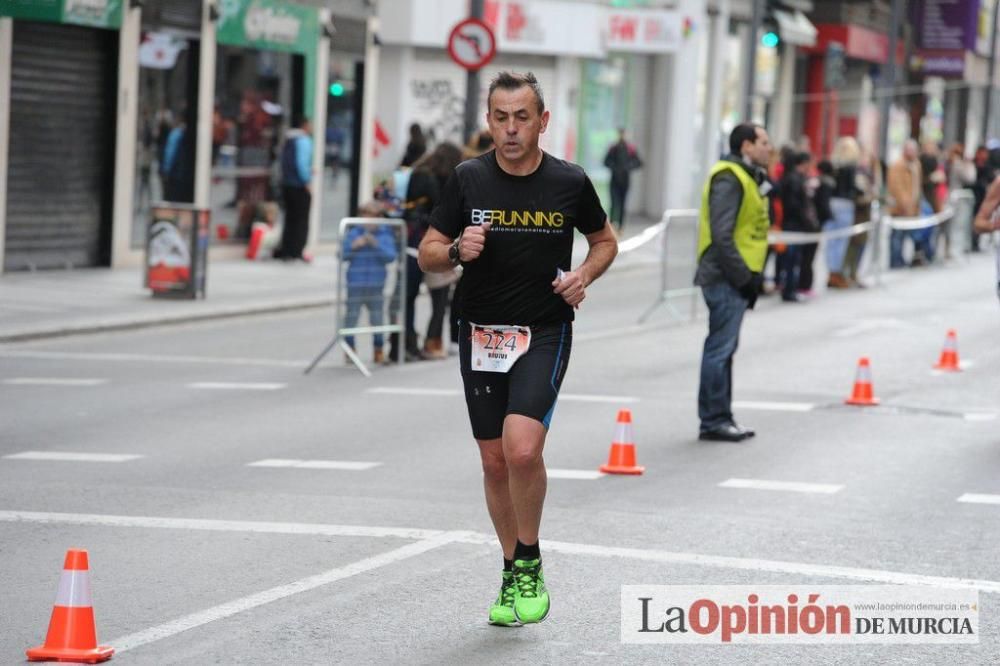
point(724, 433)
point(749, 432)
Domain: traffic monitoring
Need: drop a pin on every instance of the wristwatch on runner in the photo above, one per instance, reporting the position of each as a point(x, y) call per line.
point(453, 252)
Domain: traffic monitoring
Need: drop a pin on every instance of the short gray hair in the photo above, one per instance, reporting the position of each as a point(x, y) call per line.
point(513, 81)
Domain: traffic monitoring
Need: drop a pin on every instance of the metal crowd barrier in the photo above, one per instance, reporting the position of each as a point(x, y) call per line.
point(390, 299)
point(959, 209)
point(668, 293)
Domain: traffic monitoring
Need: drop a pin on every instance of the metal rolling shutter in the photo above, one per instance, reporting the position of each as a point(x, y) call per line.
point(61, 158)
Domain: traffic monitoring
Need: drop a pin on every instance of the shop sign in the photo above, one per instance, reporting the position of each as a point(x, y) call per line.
point(94, 13)
point(946, 64)
point(946, 24)
point(177, 250)
point(984, 29)
point(159, 50)
point(643, 31)
point(268, 25)
point(545, 27)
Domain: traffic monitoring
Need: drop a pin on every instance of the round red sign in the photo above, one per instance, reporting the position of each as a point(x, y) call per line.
point(472, 44)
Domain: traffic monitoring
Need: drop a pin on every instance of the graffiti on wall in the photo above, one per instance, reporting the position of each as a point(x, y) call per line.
point(440, 109)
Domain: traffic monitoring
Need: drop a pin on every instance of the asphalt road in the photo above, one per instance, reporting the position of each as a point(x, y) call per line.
point(199, 556)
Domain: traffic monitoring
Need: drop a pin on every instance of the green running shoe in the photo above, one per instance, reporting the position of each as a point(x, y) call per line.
point(502, 610)
point(531, 599)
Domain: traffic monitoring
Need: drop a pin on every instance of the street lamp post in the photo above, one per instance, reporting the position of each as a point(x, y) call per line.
point(472, 82)
point(749, 84)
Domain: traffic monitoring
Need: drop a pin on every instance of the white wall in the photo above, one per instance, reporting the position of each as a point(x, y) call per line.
point(424, 86)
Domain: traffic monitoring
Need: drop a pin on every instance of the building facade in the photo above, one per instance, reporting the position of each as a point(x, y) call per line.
point(107, 106)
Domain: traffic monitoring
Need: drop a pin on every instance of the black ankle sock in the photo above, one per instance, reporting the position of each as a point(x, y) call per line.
point(525, 552)
point(508, 565)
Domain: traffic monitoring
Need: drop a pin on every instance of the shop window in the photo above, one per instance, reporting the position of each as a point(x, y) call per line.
point(164, 147)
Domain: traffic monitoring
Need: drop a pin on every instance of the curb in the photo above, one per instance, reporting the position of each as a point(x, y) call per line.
point(58, 330)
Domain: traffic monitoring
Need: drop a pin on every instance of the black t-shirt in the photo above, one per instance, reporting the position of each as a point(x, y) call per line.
point(531, 235)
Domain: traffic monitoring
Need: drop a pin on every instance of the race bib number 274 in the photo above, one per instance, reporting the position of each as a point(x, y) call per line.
point(496, 348)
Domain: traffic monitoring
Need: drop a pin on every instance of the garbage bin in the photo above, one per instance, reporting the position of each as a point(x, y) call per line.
point(177, 250)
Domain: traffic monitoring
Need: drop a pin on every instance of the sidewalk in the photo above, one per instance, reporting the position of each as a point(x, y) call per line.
point(57, 303)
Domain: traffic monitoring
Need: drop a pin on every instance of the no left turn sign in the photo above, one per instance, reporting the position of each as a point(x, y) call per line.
point(472, 44)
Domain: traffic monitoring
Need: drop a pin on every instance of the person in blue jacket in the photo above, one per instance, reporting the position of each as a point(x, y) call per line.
point(296, 190)
point(367, 249)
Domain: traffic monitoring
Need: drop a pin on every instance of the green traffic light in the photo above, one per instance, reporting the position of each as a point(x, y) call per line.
point(337, 89)
point(769, 39)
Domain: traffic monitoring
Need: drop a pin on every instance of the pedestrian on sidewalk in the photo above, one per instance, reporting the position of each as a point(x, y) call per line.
point(427, 181)
point(846, 155)
point(799, 216)
point(508, 217)
point(903, 182)
point(296, 176)
point(622, 159)
point(732, 246)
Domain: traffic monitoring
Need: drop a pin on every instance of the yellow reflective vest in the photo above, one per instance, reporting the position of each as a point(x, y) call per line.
point(752, 220)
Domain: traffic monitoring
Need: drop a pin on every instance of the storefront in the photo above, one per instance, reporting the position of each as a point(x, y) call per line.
point(266, 55)
point(58, 64)
point(951, 58)
point(600, 68)
point(862, 52)
point(168, 61)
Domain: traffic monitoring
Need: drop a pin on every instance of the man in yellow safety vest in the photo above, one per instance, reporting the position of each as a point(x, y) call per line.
point(732, 248)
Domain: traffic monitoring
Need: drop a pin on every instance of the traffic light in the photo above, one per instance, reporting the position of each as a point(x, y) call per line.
point(770, 39)
point(337, 89)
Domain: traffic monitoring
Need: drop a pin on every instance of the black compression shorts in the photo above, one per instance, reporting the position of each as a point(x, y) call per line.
point(530, 388)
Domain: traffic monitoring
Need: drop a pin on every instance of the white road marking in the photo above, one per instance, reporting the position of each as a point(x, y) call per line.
point(871, 325)
point(569, 397)
point(68, 456)
point(151, 358)
point(614, 399)
point(258, 599)
point(53, 381)
point(974, 498)
point(315, 464)
point(621, 332)
point(980, 416)
point(776, 566)
point(238, 386)
point(474, 538)
point(308, 529)
point(774, 406)
point(792, 486)
point(392, 390)
point(579, 474)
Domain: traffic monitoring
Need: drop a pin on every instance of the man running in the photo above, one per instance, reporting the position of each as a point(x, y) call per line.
point(508, 217)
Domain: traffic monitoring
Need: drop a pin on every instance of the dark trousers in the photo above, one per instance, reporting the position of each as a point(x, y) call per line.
point(792, 261)
point(439, 304)
point(413, 278)
point(295, 233)
point(725, 316)
point(806, 266)
point(618, 193)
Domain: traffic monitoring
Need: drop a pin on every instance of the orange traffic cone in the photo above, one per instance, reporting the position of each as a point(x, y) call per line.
point(949, 355)
point(72, 635)
point(257, 233)
point(621, 458)
point(863, 393)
